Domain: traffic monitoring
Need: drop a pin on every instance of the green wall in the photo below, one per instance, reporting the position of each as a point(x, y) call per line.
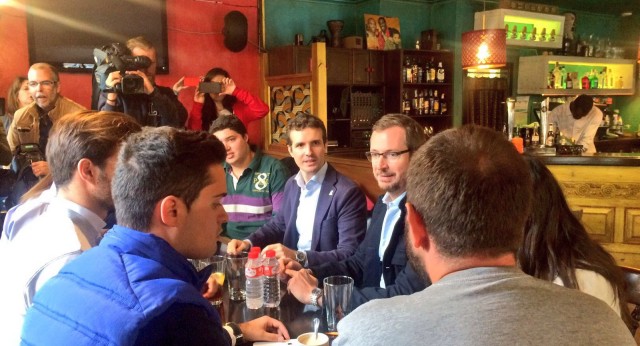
point(285, 18)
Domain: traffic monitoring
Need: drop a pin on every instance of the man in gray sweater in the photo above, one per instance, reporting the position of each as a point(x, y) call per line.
point(468, 195)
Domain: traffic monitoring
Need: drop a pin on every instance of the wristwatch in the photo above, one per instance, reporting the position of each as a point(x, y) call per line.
point(237, 332)
point(315, 294)
point(301, 257)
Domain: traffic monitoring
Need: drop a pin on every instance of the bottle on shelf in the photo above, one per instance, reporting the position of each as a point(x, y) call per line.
point(550, 137)
point(593, 79)
point(271, 282)
point(420, 102)
point(414, 72)
point(585, 82)
point(436, 102)
point(569, 83)
point(426, 103)
point(443, 104)
point(602, 79)
point(406, 71)
point(406, 103)
point(253, 273)
point(535, 137)
point(432, 71)
point(440, 73)
point(427, 74)
point(557, 77)
point(431, 102)
point(567, 42)
point(620, 83)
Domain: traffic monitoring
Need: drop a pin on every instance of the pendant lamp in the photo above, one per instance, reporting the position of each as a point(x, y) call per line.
point(484, 49)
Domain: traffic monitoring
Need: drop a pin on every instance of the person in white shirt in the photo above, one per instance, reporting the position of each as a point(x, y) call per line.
point(579, 120)
point(49, 231)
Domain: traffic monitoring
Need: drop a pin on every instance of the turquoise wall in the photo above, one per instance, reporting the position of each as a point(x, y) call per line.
point(285, 18)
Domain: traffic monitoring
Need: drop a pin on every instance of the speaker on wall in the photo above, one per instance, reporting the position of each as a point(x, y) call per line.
point(235, 31)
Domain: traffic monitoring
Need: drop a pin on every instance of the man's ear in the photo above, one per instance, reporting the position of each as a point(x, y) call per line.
point(417, 229)
point(290, 150)
point(87, 170)
point(170, 210)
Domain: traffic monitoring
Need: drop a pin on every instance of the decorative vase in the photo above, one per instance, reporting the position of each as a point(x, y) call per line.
point(335, 27)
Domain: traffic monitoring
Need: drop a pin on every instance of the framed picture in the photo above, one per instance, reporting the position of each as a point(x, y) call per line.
point(383, 33)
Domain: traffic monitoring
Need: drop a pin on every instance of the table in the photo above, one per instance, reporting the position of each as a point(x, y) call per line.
point(297, 317)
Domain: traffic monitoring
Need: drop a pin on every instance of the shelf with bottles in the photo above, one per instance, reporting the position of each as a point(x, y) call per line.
point(425, 102)
point(565, 75)
point(523, 28)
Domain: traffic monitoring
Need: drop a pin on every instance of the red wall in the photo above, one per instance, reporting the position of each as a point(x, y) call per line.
point(195, 46)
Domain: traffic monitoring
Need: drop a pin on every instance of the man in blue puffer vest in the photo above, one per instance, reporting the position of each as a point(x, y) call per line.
point(137, 286)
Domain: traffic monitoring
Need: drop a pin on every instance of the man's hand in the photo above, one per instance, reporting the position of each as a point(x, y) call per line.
point(281, 251)
point(264, 328)
point(210, 288)
point(148, 86)
point(236, 246)
point(301, 284)
point(112, 79)
point(228, 86)
point(40, 168)
point(284, 264)
point(179, 86)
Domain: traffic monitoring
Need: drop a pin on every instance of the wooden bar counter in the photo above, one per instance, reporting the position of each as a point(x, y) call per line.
point(606, 187)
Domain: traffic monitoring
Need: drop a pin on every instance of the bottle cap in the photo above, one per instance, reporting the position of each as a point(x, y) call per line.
point(254, 249)
point(270, 253)
point(254, 254)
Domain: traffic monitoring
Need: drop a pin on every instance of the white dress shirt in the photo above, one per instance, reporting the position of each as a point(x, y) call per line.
point(391, 217)
point(308, 203)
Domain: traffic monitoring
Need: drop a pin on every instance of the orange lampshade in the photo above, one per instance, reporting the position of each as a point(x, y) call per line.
point(484, 49)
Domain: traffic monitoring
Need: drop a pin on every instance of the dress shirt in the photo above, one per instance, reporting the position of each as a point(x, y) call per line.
point(390, 218)
point(582, 130)
point(35, 249)
point(309, 194)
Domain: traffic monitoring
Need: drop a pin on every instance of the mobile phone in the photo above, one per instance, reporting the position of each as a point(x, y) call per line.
point(191, 81)
point(210, 87)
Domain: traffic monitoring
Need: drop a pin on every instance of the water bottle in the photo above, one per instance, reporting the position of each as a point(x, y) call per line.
point(253, 273)
point(271, 283)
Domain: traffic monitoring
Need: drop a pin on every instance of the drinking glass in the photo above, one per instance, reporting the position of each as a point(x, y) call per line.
point(235, 276)
point(337, 295)
point(217, 264)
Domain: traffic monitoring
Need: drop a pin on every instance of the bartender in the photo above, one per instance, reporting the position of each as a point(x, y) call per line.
point(578, 120)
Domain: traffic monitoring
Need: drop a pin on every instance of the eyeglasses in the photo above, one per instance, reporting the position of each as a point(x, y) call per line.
point(389, 155)
point(44, 83)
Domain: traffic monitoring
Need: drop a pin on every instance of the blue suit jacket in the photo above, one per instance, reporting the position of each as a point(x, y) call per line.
point(339, 224)
point(365, 266)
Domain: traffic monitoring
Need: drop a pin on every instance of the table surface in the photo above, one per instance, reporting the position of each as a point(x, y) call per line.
point(297, 317)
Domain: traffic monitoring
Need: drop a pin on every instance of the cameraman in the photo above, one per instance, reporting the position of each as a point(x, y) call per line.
point(158, 106)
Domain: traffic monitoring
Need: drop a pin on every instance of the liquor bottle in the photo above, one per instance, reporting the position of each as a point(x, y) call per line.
point(420, 74)
point(414, 72)
point(427, 68)
point(426, 103)
point(563, 74)
point(593, 79)
point(619, 83)
point(550, 137)
point(550, 80)
point(567, 42)
point(406, 104)
point(431, 102)
point(440, 73)
point(569, 81)
point(443, 104)
point(406, 75)
point(527, 137)
point(432, 71)
point(421, 102)
point(436, 103)
point(557, 77)
point(585, 82)
point(535, 137)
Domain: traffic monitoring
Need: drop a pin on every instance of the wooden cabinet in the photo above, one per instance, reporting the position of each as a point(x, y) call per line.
point(534, 75)
point(288, 60)
point(354, 66)
point(409, 91)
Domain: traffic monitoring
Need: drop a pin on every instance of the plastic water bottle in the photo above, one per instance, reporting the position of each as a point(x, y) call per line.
point(270, 268)
point(253, 272)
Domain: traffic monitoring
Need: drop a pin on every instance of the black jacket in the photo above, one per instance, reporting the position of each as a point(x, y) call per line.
point(365, 266)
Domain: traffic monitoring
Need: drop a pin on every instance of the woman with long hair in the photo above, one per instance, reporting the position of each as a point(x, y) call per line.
point(18, 96)
point(231, 100)
point(557, 247)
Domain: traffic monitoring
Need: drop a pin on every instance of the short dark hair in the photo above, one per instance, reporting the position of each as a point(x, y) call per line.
point(414, 133)
point(159, 162)
point(305, 120)
point(471, 188)
point(581, 106)
point(86, 134)
point(230, 122)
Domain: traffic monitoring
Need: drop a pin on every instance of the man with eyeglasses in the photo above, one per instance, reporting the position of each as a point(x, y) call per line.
point(31, 124)
point(379, 267)
point(157, 106)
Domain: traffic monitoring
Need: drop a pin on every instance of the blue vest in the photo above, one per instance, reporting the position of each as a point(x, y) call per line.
point(112, 291)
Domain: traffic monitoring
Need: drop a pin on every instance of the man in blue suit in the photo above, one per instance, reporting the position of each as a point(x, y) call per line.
point(323, 216)
point(379, 267)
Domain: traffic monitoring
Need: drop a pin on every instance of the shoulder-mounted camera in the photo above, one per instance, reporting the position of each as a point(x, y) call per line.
point(117, 57)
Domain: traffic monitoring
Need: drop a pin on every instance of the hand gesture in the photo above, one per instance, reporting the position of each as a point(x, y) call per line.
point(301, 284)
point(40, 168)
point(236, 246)
point(287, 263)
point(179, 86)
point(281, 251)
point(264, 328)
point(228, 86)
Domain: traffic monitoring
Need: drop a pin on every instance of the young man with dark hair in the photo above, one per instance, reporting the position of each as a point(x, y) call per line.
point(168, 188)
point(255, 182)
point(81, 151)
point(157, 106)
point(578, 119)
point(379, 267)
point(468, 196)
point(323, 216)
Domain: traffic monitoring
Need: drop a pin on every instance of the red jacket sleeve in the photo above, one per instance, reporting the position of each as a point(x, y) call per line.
point(194, 121)
point(248, 108)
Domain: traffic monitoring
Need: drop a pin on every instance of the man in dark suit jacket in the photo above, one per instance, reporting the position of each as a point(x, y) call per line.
point(379, 267)
point(323, 216)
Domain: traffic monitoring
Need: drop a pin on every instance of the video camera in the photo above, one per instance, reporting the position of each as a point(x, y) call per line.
point(117, 57)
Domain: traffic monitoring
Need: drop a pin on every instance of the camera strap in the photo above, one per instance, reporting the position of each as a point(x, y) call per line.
point(153, 119)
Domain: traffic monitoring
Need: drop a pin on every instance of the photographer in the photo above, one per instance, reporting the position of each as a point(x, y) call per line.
point(156, 105)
